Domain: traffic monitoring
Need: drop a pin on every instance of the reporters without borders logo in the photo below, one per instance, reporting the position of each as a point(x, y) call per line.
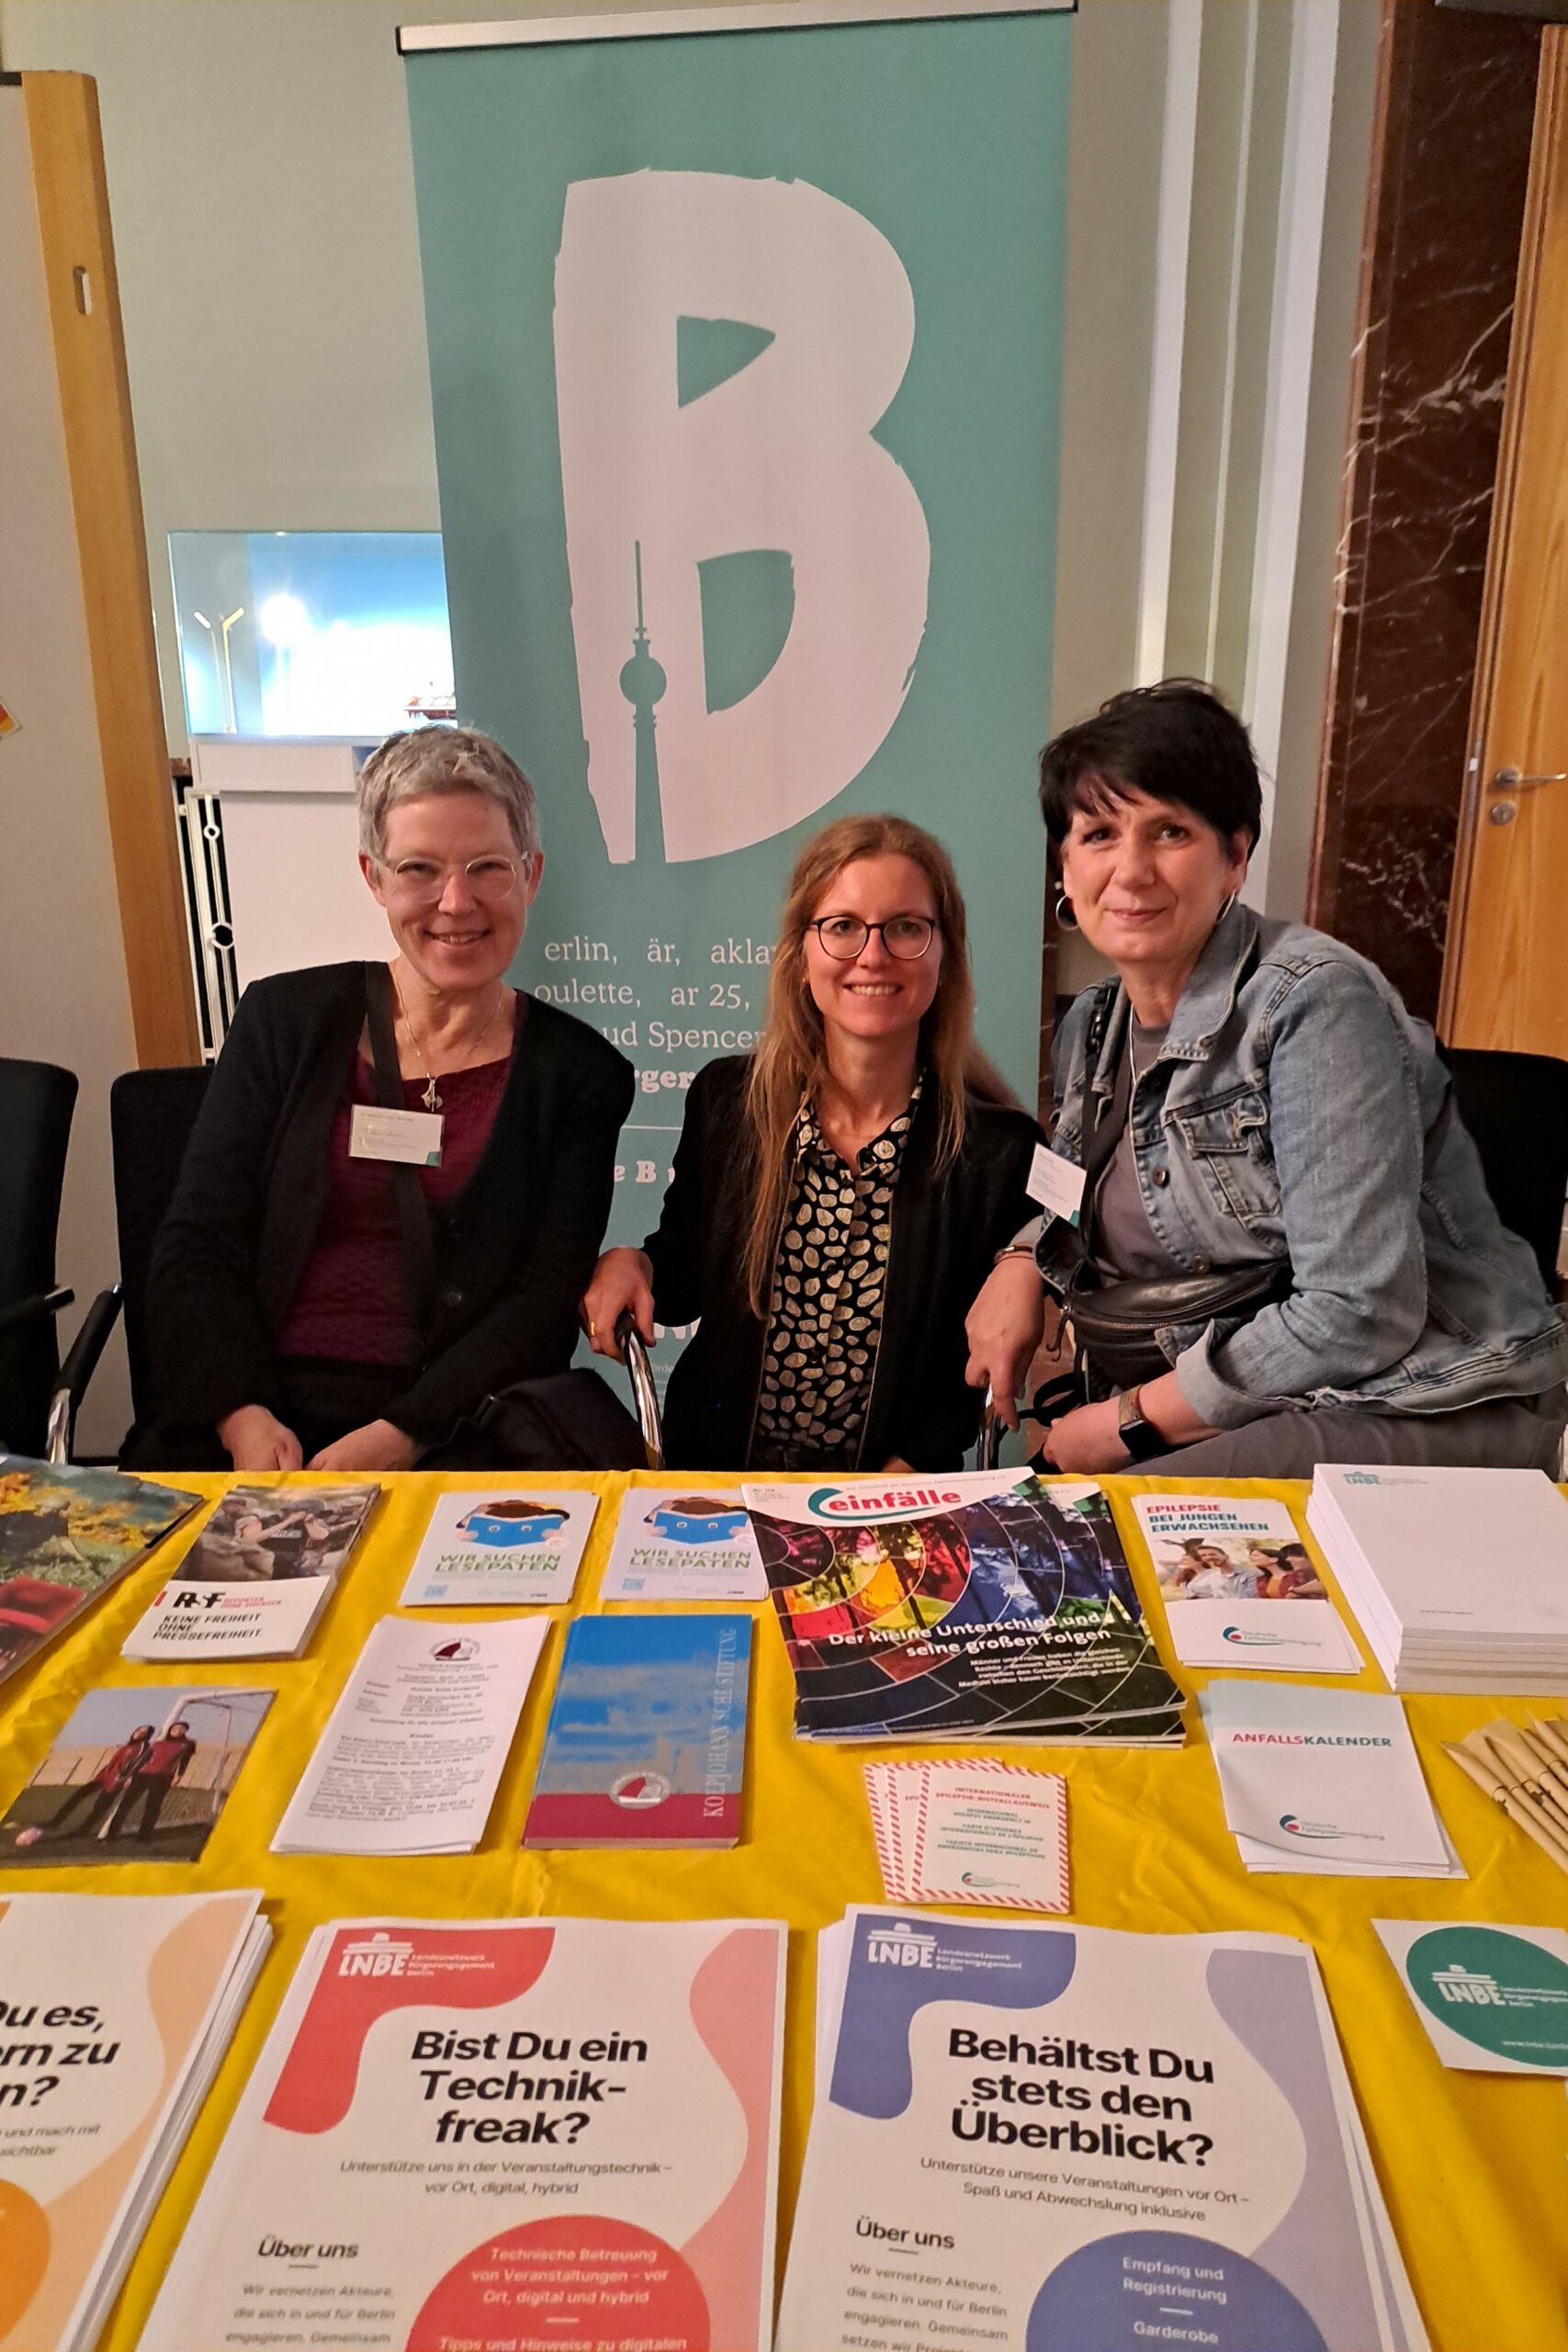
point(724, 350)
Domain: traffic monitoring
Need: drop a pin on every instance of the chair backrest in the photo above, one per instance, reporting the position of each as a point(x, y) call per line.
point(1516, 1107)
point(37, 1102)
point(152, 1113)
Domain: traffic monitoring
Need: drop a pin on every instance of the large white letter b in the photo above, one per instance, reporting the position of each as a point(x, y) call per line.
point(778, 456)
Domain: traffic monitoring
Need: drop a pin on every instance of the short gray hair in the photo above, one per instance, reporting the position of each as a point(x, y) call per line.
point(443, 759)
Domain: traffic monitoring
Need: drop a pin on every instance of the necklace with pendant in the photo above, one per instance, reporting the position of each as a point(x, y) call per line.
point(430, 1098)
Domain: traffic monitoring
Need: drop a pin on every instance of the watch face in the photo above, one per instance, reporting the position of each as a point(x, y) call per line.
point(1142, 1439)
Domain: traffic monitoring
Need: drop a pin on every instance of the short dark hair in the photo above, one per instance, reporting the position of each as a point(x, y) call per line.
point(1178, 741)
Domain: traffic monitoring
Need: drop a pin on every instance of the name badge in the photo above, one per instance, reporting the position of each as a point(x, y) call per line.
point(1055, 1183)
point(411, 1137)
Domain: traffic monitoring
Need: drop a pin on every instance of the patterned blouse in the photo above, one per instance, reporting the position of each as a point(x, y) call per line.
point(825, 1315)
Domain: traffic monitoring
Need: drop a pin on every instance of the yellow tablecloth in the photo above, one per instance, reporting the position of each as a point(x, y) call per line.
point(1474, 2167)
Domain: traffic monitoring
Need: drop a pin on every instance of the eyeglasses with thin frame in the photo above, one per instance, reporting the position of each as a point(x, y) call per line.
point(421, 881)
point(906, 937)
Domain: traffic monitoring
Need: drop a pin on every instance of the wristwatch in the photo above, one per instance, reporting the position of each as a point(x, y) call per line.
point(1141, 1438)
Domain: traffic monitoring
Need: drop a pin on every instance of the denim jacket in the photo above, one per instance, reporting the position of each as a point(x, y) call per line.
point(1296, 1110)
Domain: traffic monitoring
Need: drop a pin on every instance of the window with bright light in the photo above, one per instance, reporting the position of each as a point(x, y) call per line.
point(312, 632)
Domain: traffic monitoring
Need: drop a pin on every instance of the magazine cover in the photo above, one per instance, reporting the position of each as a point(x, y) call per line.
point(140, 1774)
point(258, 1577)
point(964, 1604)
point(65, 1537)
point(646, 1738)
point(502, 2134)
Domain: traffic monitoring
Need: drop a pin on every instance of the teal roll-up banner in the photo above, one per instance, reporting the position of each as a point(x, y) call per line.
point(745, 349)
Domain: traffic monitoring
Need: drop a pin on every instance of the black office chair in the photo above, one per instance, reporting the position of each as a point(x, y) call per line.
point(37, 1104)
point(152, 1113)
point(1515, 1108)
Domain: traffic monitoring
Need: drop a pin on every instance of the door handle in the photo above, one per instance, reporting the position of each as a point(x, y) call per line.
point(1512, 780)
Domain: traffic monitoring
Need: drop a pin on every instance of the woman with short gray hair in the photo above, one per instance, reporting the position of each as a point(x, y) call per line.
point(444, 759)
point(401, 1171)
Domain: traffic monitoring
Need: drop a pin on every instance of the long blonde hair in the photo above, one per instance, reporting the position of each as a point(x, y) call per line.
point(792, 1055)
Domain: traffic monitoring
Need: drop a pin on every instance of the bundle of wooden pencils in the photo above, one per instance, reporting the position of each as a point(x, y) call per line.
point(1524, 1769)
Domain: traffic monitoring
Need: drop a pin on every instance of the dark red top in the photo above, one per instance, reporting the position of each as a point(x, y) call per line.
point(165, 1758)
point(352, 1303)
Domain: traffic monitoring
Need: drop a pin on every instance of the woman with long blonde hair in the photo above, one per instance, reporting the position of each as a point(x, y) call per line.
point(838, 1195)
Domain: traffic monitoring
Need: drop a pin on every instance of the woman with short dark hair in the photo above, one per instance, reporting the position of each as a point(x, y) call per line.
point(402, 1170)
point(1286, 1253)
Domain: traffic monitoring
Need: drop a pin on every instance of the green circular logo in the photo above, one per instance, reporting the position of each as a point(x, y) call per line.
point(1506, 1995)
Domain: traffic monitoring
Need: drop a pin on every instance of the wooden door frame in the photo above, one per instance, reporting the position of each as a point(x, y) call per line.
point(72, 193)
point(1549, 163)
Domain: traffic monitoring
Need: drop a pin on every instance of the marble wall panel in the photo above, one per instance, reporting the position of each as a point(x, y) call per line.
point(1456, 105)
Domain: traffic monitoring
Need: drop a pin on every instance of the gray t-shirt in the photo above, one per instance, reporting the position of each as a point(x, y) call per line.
point(1124, 1244)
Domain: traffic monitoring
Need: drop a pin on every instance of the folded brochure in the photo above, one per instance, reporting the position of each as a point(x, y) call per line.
point(683, 1544)
point(646, 1744)
point(1239, 1587)
point(258, 1577)
point(487, 1547)
point(412, 1753)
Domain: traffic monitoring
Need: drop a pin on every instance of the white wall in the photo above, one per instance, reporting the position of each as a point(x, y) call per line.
point(63, 996)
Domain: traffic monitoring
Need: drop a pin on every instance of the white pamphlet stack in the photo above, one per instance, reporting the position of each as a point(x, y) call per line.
point(1460, 1577)
point(126, 2004)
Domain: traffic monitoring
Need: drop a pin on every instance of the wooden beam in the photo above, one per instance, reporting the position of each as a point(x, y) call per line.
point(100, 447)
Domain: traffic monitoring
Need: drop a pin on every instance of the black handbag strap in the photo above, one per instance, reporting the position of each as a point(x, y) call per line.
point(1105, 1130)
point(413, 1209)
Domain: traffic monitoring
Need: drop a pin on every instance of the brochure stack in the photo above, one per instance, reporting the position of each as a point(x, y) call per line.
point(121, 2009)
point(1045, 2134)
point(1460, 1577)
point(502, 2132)
point(1323, 1782)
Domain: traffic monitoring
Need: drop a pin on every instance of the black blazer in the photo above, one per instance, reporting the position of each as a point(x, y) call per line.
point(947, 1229)
point(513, 1249)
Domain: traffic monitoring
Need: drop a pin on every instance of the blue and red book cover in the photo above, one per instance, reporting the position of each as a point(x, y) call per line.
point(647, 1739)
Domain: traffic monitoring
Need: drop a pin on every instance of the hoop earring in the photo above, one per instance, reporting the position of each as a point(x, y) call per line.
point(1065, 919)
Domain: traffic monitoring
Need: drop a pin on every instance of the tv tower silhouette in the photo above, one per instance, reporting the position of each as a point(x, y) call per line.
point(643, 681)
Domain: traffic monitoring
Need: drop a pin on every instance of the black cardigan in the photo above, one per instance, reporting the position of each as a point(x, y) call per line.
point(513, 1249)
point(947, 1227)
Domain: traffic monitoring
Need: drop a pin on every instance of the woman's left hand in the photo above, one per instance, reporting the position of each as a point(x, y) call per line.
point(379, 1446)
point(1086, 1439)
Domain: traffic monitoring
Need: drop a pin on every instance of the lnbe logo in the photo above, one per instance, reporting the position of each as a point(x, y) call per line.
point(901, 1946)
point(724, 349)
point(377, 1955)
